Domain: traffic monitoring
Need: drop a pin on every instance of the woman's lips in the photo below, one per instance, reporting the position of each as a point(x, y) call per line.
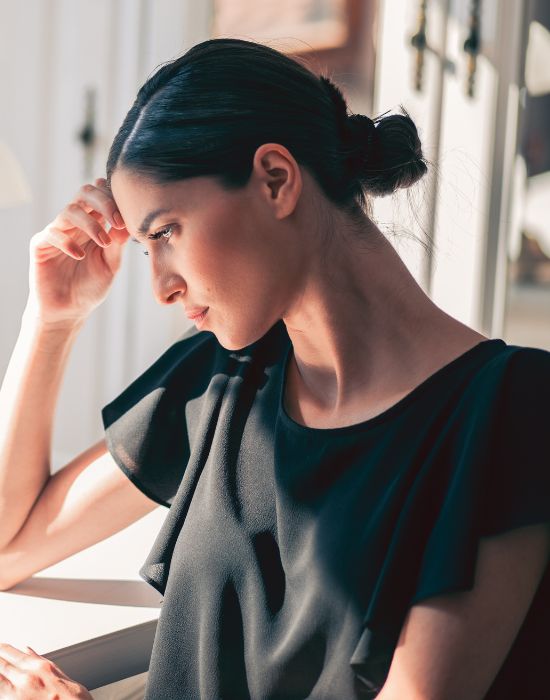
point(195, 313)
point(199, 318)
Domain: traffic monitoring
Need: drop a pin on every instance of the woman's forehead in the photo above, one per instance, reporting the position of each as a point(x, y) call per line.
point(125, 182)
point(141, 200)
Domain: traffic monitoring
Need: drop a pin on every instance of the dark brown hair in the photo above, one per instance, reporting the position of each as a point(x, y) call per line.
point(206, 113)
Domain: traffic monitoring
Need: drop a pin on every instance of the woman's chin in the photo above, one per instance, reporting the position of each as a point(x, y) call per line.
point(238, 337)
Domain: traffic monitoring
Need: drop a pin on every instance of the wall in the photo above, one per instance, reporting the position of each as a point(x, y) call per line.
point(55, 51)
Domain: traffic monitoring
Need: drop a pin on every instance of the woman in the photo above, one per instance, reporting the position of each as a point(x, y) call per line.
point(358, 499)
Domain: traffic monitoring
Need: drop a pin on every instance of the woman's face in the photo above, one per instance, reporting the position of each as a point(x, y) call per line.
point(226, 250)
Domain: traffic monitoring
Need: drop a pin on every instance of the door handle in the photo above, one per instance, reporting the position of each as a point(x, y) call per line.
point(88, 133)
point(418, 40)
point(472, 45)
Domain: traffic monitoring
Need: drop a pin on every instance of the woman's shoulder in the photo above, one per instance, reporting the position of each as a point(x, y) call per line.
point(517, 366)
point(505, 380)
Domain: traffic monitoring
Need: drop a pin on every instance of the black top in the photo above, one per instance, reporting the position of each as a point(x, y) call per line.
point(289, 555)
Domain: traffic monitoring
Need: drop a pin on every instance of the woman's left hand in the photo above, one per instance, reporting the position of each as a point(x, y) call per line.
point(29, 676)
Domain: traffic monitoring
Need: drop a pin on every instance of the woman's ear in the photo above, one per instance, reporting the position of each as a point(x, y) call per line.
point(279, 178)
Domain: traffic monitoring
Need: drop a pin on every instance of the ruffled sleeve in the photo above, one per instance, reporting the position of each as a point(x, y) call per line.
point(488, 472)
point(501, 478)
point(150, 425)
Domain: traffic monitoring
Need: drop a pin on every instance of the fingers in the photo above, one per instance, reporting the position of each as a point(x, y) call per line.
point(73, 216)
point(92, 206)
point(87, 215)
point(113, 254)
point(11, 653)
point(29, 672)
point(45, 244)
point(99, 197)
point(101, 184)
point(52, 236)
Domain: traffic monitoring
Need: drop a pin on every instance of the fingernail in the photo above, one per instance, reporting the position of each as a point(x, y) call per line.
point(118, 219)
point(104, 238)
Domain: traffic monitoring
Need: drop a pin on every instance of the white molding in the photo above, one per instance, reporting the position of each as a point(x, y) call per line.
point(510, 51)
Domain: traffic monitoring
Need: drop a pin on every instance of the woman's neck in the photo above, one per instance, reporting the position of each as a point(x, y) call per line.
point(361, 326)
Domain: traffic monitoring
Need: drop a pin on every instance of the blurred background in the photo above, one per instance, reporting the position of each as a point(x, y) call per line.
point(474, 75)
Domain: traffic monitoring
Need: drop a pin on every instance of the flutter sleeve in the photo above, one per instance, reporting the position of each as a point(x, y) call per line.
point(501, 474)
point(489, 473)
point(149, 426)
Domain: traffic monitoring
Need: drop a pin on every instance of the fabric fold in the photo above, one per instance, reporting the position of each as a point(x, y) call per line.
point(367, 520)
point(496, 478)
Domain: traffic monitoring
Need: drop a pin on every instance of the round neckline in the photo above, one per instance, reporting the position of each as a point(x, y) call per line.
point(388, 412)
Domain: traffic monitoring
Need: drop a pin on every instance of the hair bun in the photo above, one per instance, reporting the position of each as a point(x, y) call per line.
point(384, 154)
point(362, 140)
point(395, 159)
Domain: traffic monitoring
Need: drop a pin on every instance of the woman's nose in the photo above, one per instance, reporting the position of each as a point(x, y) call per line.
point(167, 287)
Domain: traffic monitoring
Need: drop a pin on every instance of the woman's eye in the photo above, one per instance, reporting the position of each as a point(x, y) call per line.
point(166, 232)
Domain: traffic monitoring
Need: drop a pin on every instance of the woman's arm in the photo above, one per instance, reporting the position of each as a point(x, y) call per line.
point(27, 404)
point(71, 269)
point(451, 647)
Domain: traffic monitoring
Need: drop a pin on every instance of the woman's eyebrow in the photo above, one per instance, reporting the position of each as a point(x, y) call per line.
point(148, 220)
